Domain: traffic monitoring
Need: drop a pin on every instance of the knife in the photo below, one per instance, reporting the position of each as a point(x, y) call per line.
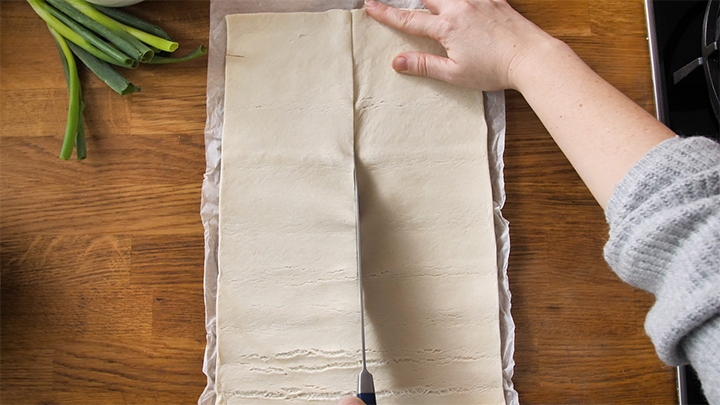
point(366, 387)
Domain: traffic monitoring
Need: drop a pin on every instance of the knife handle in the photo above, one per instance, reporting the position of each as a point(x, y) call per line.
point(368, 398)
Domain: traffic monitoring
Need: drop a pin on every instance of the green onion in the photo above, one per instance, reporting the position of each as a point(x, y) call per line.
point(159, 60)
point(152, 40)
point(80, 145)
point(132, 21)
point(122, 59)
point(41, 8)
point(129, 45)
point(105, 72)
point(101, 37)
point(74, 110)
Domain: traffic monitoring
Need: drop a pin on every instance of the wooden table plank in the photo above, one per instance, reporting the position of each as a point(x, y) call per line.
point(101, 260)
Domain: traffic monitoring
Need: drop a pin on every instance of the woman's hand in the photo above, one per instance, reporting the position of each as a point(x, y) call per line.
point(486, 41)
point(492, 47)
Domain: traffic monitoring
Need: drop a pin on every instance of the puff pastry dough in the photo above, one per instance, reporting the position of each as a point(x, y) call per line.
point(307, 96)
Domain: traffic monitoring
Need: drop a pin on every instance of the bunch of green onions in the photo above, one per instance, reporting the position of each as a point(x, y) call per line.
point(101, 37)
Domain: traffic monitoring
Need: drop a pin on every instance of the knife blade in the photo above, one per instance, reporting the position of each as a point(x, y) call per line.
point(366, 387)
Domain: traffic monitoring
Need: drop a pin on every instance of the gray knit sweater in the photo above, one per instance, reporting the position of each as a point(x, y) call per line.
point(665, 238)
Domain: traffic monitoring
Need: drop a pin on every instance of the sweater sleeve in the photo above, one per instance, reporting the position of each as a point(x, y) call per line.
point(664, 221)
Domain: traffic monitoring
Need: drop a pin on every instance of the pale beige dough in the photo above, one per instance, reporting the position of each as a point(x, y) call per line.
point(301, 88)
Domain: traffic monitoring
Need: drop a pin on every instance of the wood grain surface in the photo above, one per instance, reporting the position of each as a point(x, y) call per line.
point(102, 260)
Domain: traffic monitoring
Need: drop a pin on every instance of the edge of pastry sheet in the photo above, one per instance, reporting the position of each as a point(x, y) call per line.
point(209, 208)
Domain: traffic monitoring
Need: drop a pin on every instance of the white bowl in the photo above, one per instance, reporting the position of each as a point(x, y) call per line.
point(115, 3)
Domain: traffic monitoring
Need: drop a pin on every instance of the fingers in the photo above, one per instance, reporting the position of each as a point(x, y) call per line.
point(424, 64)
point(411, 22)
point(414, 23)
point(351, 401)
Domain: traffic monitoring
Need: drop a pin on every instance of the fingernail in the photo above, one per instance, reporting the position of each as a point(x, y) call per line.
point(370, 3)
point(400, 64)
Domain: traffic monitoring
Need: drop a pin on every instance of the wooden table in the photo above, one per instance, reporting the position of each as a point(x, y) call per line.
point(102, 260)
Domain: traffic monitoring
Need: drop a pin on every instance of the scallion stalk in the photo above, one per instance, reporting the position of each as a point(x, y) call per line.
point(40, 8)
point(152, 40)
point(129, 46)
point(132, 21)
point(128, 43)
point(105, 72)
point(159, 60)
point(80, 144)
point(74, 108)
point(122, 59)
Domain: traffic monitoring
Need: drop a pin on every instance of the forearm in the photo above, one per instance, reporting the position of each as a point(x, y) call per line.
point(601, 131)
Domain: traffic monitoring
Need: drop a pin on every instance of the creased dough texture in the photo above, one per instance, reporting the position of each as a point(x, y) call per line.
point(301, 88)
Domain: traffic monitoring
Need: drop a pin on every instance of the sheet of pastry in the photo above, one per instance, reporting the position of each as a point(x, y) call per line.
point(287, 305)
point(288, 326)
point(427, 228)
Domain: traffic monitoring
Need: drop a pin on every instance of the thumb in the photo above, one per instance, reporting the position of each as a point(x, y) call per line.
point(351, 401)
point(423, 64)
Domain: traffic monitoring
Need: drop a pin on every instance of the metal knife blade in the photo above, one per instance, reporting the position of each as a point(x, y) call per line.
point(366, 387)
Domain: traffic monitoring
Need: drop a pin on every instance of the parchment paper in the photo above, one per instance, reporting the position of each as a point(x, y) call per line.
point(495, 117)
